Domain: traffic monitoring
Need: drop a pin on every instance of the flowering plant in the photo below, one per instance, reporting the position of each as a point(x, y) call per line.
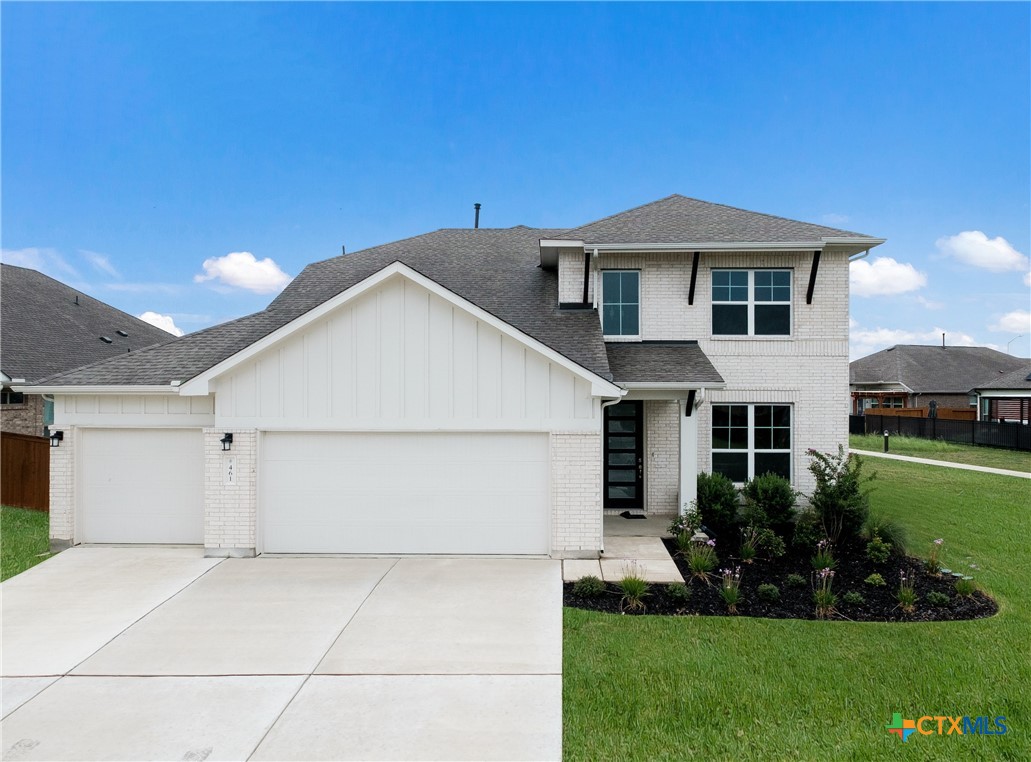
point(824, 558)
point(933, 563)
point(823, 594)
point(906, 595)
point(730, 588)
point(701, 559)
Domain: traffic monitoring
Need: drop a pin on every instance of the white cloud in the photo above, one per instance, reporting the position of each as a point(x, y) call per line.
point(972, 247)
point(884, 277)
point(868, 341)
point(47, 261)
point(164, 322)
point(100, 262)
point(928, 303)
point(852, 323)
point(145, 288)
point(835, 219)
point(1017, 321)
point(240, 269)
point(1027, 279)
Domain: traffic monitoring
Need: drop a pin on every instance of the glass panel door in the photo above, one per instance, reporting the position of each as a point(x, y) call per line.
point(624, 456)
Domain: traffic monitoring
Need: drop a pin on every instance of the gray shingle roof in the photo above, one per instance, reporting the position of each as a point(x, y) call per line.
point(660, 363)
point(44, 331)
point(1014, 379)
point(932, 369)
point(678, 219)
point(496, 269)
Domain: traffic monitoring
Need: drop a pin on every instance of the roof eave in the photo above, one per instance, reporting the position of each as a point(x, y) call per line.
point(96, 389)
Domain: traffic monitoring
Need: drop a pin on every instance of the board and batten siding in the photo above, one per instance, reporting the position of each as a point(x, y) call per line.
point(401, 357)
point(133, 410)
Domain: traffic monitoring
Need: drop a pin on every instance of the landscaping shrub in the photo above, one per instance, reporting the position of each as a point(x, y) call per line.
point(889, 530)
point(839, 498)
point(938, 599)
point(769, 501)
point(965, 586)
point(768, 593)
point(875, 580)
point(717, 504)
point(678, 591)
point(589, 586)
point(877, 550)
point(701, 559)
point(730, 588)
point(794, 580)
point(634, 588)
point(687, 522)
point(853, 598)
point(808, 530)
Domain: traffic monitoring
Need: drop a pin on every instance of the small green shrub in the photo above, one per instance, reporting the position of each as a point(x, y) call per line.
point(634, 588)
point(876, 580)
point(717, 504)
point(686, 522)
point(769, 501)
point(808, 531)
point(684, 543)
point(794, 580)
point(965, 586)
point(938, 599)
point(768, 593)
point(877, 550)
point(853, 598)
point(757, 541)
point(589, 586)
point(772, 544)
point(889, 529)
point(679, 592)
point(839, 498)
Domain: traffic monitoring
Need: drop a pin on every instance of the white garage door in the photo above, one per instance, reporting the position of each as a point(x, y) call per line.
point(405, 493)
point(142, 485)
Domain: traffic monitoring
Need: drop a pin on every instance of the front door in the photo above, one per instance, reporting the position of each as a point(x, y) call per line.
point(624, 456)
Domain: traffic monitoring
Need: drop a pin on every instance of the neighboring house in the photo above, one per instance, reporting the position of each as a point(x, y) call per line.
point(1005, 396)
point(472, 391)
point(911, 375)
point(47, 327)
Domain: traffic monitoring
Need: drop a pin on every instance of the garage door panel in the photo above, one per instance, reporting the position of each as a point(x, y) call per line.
point(405, 493)
point(142, 486)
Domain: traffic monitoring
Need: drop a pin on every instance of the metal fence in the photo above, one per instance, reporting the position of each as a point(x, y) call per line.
point(1013, 436)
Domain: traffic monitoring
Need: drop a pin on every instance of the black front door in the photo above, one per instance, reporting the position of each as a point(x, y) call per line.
point(624, 456)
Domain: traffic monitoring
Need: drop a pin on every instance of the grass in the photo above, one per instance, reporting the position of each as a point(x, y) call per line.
point(734, 688)
point(993, 457)
point(23, 539)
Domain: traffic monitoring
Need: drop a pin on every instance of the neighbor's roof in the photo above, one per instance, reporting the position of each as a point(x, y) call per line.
point(44, 331)
point(1014, 379)
point(496, 269)
point(930, 369)
point(643, 362)
point(678, 219)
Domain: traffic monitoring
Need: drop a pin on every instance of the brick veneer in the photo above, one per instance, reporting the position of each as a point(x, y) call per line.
point(576, 494)
point(230, 511)
point(62, 490)
point(23, 418)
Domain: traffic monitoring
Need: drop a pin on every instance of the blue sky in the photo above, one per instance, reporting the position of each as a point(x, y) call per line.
point(143, 144)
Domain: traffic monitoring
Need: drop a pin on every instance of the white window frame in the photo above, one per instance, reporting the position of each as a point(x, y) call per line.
point(751, 437)
point(601, 305)
point(751, 303)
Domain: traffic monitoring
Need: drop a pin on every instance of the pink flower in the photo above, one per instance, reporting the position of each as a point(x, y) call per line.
point(939, 541)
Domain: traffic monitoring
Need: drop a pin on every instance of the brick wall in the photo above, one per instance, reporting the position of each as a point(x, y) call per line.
point(576, 494)
point(62, 490)
point(230, 511)
point(23, 418)
point(662, 451)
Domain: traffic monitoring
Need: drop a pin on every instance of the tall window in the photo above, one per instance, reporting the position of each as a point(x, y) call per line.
point(751, 302)
point(621, 302)
point(751, 440)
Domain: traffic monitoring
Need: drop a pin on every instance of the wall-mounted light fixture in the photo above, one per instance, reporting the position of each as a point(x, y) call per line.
point(56, 437)
point(227, 442)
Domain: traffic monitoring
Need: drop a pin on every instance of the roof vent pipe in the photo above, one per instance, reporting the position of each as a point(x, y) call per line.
point(943, 341)
point(476, 221)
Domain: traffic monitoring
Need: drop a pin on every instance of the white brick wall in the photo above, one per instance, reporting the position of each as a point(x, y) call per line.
point(662, 449)
point(576, 494)
point(230, 511)
point(62, 490)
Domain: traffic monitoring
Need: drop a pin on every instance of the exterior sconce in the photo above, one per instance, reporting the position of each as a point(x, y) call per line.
point(227, 442)
point(56, 437)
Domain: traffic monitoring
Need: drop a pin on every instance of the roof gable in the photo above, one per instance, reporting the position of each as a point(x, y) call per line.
point(929, 369)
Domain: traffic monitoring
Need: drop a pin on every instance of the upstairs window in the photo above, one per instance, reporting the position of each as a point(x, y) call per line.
point(751, 302)
point(621, 302)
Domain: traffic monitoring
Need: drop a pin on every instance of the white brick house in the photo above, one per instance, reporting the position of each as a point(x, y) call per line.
point(472, 391)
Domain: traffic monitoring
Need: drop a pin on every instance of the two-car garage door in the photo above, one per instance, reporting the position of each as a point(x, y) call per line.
point(330, 492)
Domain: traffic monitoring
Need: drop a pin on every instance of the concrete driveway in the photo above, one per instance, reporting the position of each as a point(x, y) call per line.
point(159, 653)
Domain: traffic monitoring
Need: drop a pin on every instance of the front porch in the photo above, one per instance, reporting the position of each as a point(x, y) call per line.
point(629, 544)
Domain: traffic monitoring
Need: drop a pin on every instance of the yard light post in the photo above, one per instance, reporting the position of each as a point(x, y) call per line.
point(886, 440)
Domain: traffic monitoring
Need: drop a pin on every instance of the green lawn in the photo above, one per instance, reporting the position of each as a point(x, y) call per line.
point(994, 457)
point(653, 688)
point(23, 539)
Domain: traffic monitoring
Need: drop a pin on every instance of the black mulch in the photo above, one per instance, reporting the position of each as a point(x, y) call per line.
point(853, 567)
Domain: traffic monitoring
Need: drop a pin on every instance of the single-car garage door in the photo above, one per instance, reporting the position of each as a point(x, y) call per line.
point(480, 493)
point(142, 485)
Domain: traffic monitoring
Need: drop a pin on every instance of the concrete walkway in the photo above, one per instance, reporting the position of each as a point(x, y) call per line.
point(159, 653)
point(631, 545)
point(944, 463)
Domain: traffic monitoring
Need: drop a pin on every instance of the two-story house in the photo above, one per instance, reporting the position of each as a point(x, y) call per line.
point(486, 391)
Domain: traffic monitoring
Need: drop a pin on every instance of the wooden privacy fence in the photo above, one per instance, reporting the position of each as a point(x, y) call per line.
point(1014, 436)
point(944, 413)
point(25, 471)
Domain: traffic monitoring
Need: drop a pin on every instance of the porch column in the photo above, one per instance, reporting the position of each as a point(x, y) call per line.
point(688, 454)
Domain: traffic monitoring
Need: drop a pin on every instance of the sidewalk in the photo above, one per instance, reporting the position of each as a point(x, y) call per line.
point(944, 463)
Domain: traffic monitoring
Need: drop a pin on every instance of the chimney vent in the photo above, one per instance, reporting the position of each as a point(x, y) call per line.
point(476, 222)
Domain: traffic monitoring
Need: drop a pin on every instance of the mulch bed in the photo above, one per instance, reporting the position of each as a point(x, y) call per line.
point(853, 567)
